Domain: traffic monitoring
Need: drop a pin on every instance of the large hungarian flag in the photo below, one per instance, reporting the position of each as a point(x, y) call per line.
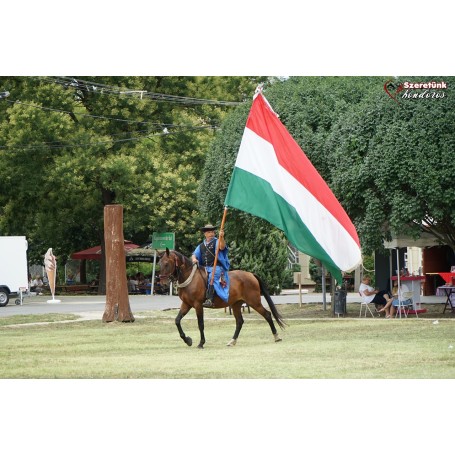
point(273, 179)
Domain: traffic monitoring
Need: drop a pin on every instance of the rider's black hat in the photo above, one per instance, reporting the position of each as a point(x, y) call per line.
point(208, 227)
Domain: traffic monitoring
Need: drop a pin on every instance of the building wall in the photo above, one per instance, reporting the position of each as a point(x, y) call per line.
point(436, 259)
point(414, 260)
point(428, 260)
point(305, 277)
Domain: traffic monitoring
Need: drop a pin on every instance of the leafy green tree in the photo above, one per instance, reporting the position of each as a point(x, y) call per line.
point(68, 147)
point(308, 107)
point(390, 165)
point(395, 166)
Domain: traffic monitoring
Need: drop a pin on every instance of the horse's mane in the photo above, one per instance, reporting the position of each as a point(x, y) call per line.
point(182, 258)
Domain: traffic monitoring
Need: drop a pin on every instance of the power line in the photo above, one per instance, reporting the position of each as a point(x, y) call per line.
point(95, 87)
point(102, 117)
point(59, 145)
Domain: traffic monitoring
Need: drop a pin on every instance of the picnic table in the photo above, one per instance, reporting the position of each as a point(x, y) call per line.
point(448, 292)
point(76, 289)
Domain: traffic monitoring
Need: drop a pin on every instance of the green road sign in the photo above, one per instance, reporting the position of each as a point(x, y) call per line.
point(163, 240)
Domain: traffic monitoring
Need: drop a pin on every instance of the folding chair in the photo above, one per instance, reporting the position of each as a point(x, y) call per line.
point(364, 304)
point(404, 304)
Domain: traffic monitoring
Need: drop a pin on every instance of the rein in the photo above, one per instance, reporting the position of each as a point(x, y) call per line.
point(189, 279)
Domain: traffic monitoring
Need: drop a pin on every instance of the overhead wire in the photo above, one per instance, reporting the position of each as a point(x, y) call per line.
point(102, 117)
point(95, 87)
point(90, 86)
point(165, 128)
point(59, 145)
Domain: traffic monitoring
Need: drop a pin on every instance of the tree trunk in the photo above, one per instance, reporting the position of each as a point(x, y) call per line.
point(117, 302)
point(107, 198)
point(83, 272)
point(102, 277)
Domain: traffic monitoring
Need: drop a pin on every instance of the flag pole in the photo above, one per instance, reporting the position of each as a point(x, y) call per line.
point(215, 262)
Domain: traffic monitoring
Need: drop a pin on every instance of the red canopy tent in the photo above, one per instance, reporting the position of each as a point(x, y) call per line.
point(95, 252)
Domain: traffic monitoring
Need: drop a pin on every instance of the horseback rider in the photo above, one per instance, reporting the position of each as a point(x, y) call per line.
point(204, 254)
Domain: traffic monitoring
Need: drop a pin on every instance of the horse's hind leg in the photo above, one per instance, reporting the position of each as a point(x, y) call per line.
point(267, 315)
point(236, 309)
point(182, 313)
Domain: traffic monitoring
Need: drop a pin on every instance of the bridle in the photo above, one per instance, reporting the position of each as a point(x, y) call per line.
point(177, 272)
point(174, 276)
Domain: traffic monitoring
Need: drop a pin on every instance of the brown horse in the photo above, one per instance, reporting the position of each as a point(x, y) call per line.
point(245, 287)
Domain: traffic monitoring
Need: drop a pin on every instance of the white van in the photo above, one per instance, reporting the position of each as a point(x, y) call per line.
point(13, 267)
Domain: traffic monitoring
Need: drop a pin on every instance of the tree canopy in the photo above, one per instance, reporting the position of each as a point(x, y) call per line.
point(393, 165)
point(389, 164)
point(165, 147)
point(69, 146)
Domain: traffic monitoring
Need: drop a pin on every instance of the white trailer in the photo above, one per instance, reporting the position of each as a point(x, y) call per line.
point(13, 267)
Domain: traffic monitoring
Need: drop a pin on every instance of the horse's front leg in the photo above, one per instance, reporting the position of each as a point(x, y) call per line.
point(184, 308)
point(200, 323)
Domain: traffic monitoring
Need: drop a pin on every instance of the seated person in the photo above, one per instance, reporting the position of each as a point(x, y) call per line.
point(394, 302)
point(371, 295)
point(132, 284)
point(158, 288)
point(37, 285)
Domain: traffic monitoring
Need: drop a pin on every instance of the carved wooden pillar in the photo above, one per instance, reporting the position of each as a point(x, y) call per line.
point(117, 302)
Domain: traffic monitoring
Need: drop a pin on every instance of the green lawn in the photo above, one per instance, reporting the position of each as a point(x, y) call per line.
point(314, 345)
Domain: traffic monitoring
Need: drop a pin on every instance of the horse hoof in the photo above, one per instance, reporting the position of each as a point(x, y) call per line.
point(232, 342)
point(200, 346)
point(188, 341)
point(277, 338)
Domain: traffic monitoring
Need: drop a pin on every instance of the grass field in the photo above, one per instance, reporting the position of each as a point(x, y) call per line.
point(314, 345)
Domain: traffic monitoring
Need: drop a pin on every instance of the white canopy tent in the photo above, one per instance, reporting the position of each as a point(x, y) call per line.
point(401, 241)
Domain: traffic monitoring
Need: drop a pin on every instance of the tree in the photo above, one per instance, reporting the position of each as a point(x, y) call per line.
point(395, 166)
point(390, 165)
point(117, 304)
point(69, 147)
point(308, 107)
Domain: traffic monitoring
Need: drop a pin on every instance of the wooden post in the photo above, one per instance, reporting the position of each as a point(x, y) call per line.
point(217, 248)
point(117, 302)
point(324, 301)
point(300, 288)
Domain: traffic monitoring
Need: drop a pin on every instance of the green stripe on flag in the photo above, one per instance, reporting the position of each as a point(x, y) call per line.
point(255, 195)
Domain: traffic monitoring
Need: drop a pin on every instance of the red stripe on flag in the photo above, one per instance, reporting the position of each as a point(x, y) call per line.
point(264, 122)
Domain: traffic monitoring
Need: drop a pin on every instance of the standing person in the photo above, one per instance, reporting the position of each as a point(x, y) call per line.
point(371, 295)
point(204, 254)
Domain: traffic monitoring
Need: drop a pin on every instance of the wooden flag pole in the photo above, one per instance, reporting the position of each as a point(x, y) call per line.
point(212, 279)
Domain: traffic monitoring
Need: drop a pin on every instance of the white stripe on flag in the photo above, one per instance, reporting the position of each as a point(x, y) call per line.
point(257, 156)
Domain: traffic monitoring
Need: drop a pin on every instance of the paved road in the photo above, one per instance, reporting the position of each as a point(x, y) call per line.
point(96, 304)
point(92, 306)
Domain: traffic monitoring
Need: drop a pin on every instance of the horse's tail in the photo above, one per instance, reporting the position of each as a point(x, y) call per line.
point(264, 291)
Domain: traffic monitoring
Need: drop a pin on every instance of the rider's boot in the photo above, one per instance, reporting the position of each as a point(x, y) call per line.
point(208, 304)
point(209, 295)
